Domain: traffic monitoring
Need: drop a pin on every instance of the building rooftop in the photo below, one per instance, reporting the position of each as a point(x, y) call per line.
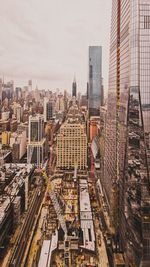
point(47, 248)
point(87, 224)
point(19, 173)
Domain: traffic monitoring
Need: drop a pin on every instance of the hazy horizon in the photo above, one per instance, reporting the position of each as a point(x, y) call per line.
point(49, 42)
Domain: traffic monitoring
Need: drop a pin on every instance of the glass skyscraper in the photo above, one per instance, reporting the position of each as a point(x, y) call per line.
point(129, 94)
point(95, 88)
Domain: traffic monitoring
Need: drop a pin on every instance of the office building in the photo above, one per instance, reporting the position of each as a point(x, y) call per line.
point(74, 88)
point(95, 94)
point(17, 111)
point(60, 103)
point(30, 85)
point(18, 92)
point(7, 90)
point(5, 138)
point(48, 109)
point(83, 101)
point(19, 146)
point(13, 125)
point(128, 97)
point(37, 147)
point(5, 115)
point(72, 145)
point(94, 121)
point(36, 128)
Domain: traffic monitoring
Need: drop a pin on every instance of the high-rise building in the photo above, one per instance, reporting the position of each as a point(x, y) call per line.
point(7, 90)
point(36, 148)
point(36, 128)
point(60, 103)
point(72, 144)
point(18, 92)
point(30, 85)
point(48, 109)
point(17, 111)
point(19, 146)
point(74, 88)
point(95, 94)
point(129, 94)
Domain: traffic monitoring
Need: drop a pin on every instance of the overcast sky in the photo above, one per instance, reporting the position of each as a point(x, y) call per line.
point(47, 41)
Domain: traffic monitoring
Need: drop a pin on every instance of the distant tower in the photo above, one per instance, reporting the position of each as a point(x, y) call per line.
point(74, 88)
point(30, 85)
point(48, 109)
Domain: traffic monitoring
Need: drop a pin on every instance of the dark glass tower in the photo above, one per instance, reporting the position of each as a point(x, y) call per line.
point(74, 88)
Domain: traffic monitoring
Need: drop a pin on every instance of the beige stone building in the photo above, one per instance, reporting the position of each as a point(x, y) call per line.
point(72, 145)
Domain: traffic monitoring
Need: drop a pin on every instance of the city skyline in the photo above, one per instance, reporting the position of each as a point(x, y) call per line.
point(74, 162)
point(38, 42)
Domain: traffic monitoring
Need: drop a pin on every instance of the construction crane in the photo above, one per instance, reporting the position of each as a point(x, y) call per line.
point(60, 217)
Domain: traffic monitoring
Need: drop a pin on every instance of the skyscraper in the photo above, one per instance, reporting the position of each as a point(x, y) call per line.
point(129, 83)
point(48, 109)
point(72, 142)
point(74, 88)
point(95, 94)
point(36, 128)
point(30, 85)
point(60, 103)
point(36, 148)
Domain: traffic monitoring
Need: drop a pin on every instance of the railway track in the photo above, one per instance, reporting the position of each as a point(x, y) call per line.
point(22, 240)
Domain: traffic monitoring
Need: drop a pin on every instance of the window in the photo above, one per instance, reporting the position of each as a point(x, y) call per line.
point(91, 71)
point(146, 22)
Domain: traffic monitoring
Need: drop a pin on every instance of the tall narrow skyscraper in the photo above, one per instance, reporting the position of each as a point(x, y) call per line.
point(48, 109)
point(128, 130)
point(30, 85)
point(37, 146)
point(95, 80)
point(74, 88)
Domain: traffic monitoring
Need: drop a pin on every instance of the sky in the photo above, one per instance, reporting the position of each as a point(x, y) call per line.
point(47, 41)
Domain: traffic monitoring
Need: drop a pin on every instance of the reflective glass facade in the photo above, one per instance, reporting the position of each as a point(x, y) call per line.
point(144, 58)
point(95, 80)
point(129, 71)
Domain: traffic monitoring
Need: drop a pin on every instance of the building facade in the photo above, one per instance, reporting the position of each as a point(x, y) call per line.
point(128, 76)
point(36, 128)
point(60, 103)
point(48, 109)
point(37, 146)
point(72, 145)
point(74, 88)
point(95, 93)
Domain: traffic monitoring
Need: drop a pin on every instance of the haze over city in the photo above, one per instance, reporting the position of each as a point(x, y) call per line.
point(48, 41)
point(75, 145)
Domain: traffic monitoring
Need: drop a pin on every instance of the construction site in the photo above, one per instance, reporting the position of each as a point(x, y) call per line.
point(65, 234)
point(64, 221)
